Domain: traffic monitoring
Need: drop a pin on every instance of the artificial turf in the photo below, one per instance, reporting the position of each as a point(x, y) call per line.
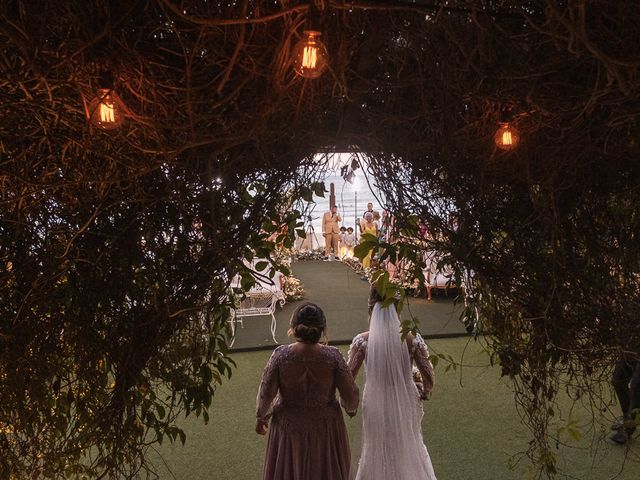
point(471, 428)
point(343, 294)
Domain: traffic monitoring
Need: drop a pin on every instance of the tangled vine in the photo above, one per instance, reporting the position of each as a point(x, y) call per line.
point(118, 247)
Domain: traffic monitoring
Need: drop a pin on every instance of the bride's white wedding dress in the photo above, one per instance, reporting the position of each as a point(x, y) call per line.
point(392, 444)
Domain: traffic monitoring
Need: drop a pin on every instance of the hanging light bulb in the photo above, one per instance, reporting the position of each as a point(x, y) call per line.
point(106, 111)
point(507, 137)
point(310, 55)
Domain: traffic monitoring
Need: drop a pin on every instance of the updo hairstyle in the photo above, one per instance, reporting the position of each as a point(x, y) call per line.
point(374, 297)
point(308, 323)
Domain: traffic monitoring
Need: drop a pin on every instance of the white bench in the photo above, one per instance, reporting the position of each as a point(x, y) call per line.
point(259, 302)
point(435, 278)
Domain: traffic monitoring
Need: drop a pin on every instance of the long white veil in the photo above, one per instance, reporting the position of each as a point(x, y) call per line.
point(392, 445)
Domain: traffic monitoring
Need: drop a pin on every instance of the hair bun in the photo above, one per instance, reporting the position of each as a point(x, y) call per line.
point(374, 297)
point(308, 323)
point(307, 333)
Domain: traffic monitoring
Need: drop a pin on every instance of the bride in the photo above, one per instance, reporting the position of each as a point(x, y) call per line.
point(392, 445)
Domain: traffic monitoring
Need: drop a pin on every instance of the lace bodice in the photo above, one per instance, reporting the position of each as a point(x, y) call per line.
point(418, 351)
point(306, 380)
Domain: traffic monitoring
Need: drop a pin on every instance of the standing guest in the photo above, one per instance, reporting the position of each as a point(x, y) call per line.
point(330, 230)
point(385, 234)
point(307, 437)
point(369, 209)
point(349, 242)
point(341, 246)
point(368, 226)
point(626, 382)
point(386, 226)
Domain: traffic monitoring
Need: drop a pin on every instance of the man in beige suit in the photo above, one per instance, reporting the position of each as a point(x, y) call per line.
point(330, 231)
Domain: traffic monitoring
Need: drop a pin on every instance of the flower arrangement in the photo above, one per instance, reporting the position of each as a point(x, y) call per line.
point(283, 256)
point(293, 289)
point(405, 283)
point(355, 264)
point(415, 373)
point(308, 255)
point(417, 379)
point(401, 281)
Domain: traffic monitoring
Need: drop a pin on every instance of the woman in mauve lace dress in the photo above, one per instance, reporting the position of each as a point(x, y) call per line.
point(307, 436)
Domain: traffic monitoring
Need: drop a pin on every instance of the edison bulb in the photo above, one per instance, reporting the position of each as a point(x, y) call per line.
point(310, 56)
point(507, 137)
point(106, 111)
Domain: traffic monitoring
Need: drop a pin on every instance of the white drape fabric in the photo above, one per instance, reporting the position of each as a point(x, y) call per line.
point(392, 445)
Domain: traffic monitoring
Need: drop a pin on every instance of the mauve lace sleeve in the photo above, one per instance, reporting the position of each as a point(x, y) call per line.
point(349, 393)
point(356, 354)
point(421, 357)
point(268, 387)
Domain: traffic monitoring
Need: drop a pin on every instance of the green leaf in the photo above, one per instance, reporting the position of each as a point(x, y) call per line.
point(318, 188)
point(306, 193)
point(205, 374)
point(361, 250)
point(247, 197)
point(269, 226)
point(260, 266)
point(387, 302)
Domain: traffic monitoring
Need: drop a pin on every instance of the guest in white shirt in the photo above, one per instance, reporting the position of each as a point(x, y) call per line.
point(349, 242)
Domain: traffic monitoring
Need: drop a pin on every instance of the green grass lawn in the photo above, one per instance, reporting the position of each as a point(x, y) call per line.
point(471, 428)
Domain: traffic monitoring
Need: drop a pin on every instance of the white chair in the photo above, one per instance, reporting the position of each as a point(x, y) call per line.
point(257, 303)
point(264, 282)
point(273, 285)
point(435, 278)
point(261, 300)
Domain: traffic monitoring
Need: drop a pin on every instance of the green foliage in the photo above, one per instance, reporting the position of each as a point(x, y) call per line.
point(368, 242)
point(115, 317)
point(118, 248)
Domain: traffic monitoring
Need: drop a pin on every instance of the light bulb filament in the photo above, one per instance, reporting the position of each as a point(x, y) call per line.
point(310, 57)
point(107, 112)
point(506, 138)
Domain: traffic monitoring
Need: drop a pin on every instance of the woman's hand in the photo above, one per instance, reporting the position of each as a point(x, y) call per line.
point(261, 427)
point(423, 394)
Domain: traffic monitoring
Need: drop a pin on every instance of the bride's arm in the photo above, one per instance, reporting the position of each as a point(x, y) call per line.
point(349, 393)
point(421, 357)
point(356, 354)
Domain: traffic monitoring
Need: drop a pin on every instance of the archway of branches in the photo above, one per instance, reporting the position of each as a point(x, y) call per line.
point(115, 244)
